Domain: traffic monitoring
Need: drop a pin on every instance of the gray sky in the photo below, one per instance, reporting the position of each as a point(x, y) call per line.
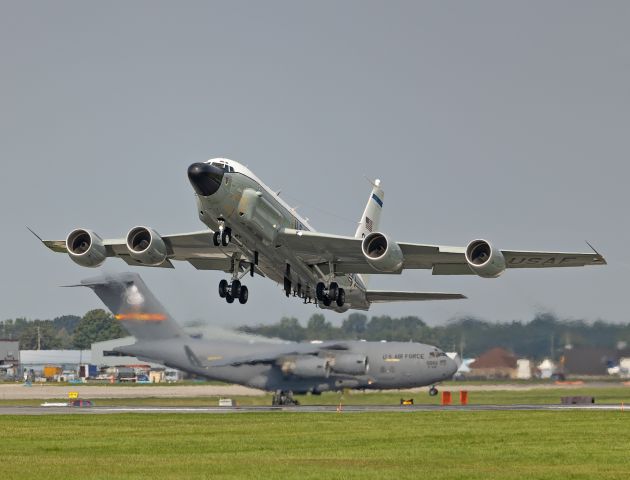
point(502, 120)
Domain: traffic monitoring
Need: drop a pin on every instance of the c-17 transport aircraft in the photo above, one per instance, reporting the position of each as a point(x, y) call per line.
point(285, 368)
point(252, 230)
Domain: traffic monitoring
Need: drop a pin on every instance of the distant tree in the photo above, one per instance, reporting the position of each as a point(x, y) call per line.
point(318, 328)
point(39, 334)
point(96, 326)
point(354, 326)
point(67, 322)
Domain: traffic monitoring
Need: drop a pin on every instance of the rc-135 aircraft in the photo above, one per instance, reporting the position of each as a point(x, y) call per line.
point(252, 230)
point(284, 368)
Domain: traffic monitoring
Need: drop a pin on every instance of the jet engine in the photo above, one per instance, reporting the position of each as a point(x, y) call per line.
point(86, 248)
point(350, 364)
point(484, 259)
point(146, 246)
point(382, 254)
point(307, 367)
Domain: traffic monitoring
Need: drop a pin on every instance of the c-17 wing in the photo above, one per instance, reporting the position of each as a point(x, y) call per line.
point(347, 256)
point(196, 248)
point(278, 352)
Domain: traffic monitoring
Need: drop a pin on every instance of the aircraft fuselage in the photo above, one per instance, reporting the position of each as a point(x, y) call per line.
point(254, 215)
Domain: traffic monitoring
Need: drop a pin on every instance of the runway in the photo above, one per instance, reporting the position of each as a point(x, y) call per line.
point(18, 410)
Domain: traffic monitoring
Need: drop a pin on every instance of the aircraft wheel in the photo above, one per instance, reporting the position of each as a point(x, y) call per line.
point(433, 391)
point(341, 297)
point(226, 237)
point(236, 289)
point(243, 295)
point(223, 288)
point(319, 291)
point(229, 298)
point(333, 290)
point(327, 301)
point(215, 239)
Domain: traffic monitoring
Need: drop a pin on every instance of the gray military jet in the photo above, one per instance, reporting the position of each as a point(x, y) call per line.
point(254, 231)
point(285, 368)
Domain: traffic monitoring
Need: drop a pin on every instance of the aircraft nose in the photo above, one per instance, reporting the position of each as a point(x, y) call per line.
point(205, 178)
point(452, 366)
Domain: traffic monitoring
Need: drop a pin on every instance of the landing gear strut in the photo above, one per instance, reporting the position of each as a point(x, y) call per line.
point(331, 294)
point(284, 397)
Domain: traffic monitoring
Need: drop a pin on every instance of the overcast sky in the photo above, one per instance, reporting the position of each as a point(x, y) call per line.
point(502, 120)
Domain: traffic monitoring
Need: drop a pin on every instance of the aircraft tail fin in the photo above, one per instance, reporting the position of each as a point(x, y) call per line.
point(134, 306)
point(371, 218)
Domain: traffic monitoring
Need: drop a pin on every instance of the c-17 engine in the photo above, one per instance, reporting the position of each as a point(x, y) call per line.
point(350, 364)
point(307, 367)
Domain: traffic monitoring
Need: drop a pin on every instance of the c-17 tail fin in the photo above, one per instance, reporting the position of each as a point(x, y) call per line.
point(133, 304)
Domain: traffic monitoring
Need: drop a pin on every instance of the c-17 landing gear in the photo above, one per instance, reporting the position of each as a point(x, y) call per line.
point(433, 391)
point(283, 397)
point(331, 294)
point(233, 291)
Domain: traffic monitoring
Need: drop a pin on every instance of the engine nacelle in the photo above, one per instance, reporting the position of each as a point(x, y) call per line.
point(146, 246)
point(86, 248)
point(307, 367)
point(350, 364)
point(382, 254)
point(484, 259)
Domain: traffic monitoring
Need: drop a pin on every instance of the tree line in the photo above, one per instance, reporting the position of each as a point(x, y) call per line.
point(68, 331)
point(544, 336)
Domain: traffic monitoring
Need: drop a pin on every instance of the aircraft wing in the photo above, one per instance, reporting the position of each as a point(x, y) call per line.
point(382, 296)
point(347, 256)
point(278, 352)
point(196, 248)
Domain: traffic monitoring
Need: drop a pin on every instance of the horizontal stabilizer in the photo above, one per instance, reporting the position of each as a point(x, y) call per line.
point(382, 296)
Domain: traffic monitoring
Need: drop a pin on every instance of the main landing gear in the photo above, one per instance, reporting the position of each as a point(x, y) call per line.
point(331, 294)
point(433, 391)
point(232, 291)
point(284, 397)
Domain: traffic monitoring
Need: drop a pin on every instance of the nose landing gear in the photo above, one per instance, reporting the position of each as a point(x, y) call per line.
point(433, 391)
point(331, 294)
point(222, 237)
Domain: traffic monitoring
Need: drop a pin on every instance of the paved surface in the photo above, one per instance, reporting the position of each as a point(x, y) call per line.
point(43, 391)
point(300, 409)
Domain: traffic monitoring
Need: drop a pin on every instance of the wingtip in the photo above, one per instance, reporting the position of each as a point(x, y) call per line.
point(599, 258)
point(35, 234)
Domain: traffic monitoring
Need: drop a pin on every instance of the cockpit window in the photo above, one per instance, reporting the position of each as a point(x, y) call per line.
point(223, 166)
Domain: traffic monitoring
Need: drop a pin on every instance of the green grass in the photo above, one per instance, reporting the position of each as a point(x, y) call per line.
point(436, 445)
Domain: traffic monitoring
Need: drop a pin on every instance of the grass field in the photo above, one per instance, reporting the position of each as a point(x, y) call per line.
point(435, 445)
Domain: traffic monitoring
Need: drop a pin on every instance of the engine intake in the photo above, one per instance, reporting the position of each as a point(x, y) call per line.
point(307, 367)
point(485, 260)
point(350, 364)
point(146, 246)
point(86, 248)
point(382, 254)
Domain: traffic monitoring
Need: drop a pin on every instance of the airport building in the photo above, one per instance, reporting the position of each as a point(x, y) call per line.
point(9, 358)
